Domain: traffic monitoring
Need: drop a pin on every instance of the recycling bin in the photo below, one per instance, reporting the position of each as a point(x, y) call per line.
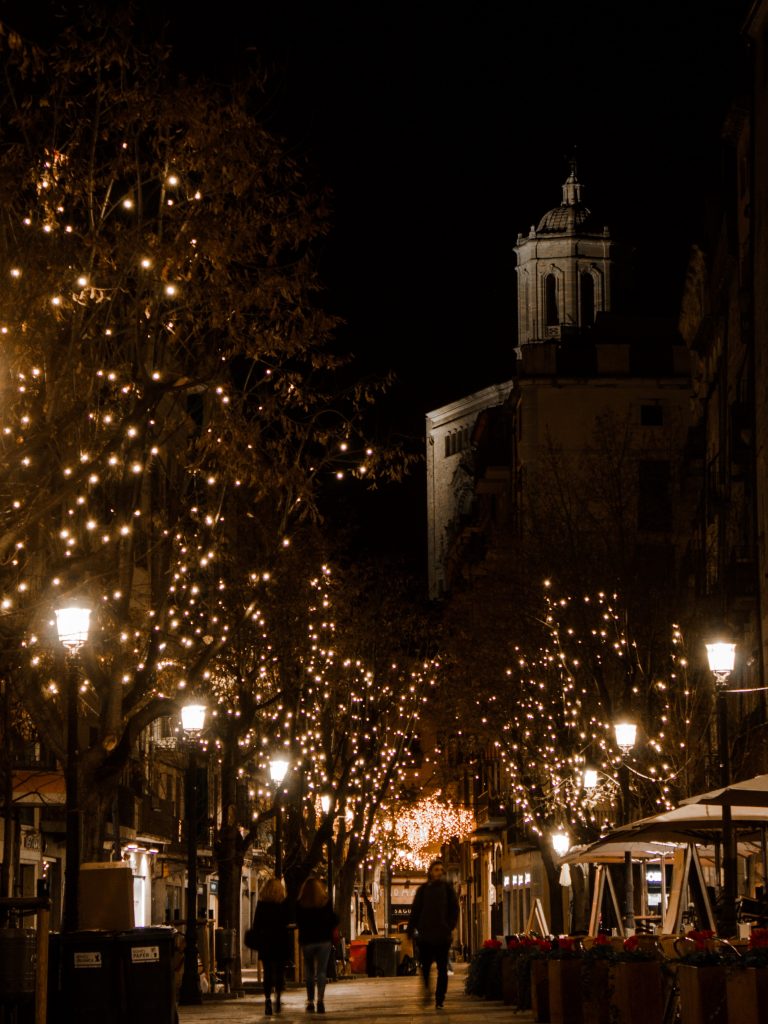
point(18, 964)
point(18, 961)
point(381, 958)
point(358, 955)
point(90, 977)
point(145, 957)
point(225, 944)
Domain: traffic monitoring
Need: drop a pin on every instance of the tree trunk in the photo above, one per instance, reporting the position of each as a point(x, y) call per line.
point(345, 888)
point(93, 805)
point(8, 820)
point(555, 890)
point(230, 854)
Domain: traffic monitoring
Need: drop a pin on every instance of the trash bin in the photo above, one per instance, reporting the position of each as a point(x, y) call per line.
point(18, 965)
point(18, 961)
point(90, 977)
point(225, 944)
point(146, 958)
point(357, 955)
point(381, 958)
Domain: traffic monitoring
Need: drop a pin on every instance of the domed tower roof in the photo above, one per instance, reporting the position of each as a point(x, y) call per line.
point(572, 215)
point(564, 269)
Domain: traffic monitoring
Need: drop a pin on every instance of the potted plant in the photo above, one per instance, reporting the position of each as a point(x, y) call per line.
point(565, 999)
point(524, 951)
point(746, 981)
point(484, 974)
point(596, 961)
point(701, 977)
point(636, 989)
point(517, 948)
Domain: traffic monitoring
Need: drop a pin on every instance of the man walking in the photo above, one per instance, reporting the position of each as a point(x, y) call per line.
point(434, 914)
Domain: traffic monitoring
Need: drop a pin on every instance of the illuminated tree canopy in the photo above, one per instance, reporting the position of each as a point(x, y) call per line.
point(167, 378)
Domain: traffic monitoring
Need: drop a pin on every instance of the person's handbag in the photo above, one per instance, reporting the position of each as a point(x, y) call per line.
point(250, 939)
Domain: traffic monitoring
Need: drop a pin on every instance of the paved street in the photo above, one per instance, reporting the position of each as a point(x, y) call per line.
point(368, 1000)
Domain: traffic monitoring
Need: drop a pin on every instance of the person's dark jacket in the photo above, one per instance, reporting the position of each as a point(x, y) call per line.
point(316, 924)
point(271, 932)
point(434, 913)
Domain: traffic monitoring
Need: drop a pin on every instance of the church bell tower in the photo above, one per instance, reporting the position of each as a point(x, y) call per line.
point(563, 270)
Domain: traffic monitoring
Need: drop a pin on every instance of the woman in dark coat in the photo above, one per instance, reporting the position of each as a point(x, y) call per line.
point(272, 938)
point(317, 921)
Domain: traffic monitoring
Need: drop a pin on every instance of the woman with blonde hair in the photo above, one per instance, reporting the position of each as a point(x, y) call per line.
point(271, 936)
point(316, 920)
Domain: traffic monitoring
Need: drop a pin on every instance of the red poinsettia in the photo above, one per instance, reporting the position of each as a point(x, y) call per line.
point(702, 938)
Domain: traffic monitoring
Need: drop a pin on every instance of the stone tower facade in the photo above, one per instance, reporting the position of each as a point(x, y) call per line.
point(563, 270)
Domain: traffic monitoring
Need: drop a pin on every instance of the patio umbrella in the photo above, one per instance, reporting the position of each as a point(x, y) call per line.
point(749, 793)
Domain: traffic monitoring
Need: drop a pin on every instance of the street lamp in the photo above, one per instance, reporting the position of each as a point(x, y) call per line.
point(278, 768)
point(589, 778)
point(72, 623)
point(626, 734)
point(722, 658)
point(325, 803)
point(192, 724)
point(561, 842)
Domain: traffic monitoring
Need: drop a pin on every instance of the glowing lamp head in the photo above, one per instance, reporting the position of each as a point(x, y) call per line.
point(561, 842)
point(721, 657)
point(589, 778)
point(278, 768)
point(325, 803)
point(193, 718)
point(626, 734)
point(72, 624)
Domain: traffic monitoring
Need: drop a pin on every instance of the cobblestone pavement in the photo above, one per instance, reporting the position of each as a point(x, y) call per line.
point(368, 1000)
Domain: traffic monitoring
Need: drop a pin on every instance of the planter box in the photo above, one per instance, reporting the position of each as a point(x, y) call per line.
point(509, 986)
point(702, 994)
point(540, 990)
point(637, 993)
point(747, 995)
point(595, 984)
point(565, 999)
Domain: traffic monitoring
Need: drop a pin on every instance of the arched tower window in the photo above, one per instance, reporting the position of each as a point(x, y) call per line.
point(550, 301)
point(587, 300)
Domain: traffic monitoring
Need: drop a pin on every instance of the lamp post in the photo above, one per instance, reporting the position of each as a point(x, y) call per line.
point(722, 657)
point(192, 724)
point(72, 623)
point(325, 803)
point(626, 734)
point(278, 768)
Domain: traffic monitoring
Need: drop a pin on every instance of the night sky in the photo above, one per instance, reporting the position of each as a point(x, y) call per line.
point(443, 130)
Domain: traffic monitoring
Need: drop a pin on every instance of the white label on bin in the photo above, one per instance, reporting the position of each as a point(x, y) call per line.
point(144, 954)
point(87, 960)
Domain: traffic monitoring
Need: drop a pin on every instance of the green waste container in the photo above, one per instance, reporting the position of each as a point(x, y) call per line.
point(18, 967)
point(18, 961)
point(90, 977)
point(381, 958)
point(146, 965)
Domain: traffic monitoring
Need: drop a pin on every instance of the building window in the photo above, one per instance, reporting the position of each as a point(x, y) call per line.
point(456, 441)
point(587, 300)
point(654, 498)
point(550, 301)
point(652, 415)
